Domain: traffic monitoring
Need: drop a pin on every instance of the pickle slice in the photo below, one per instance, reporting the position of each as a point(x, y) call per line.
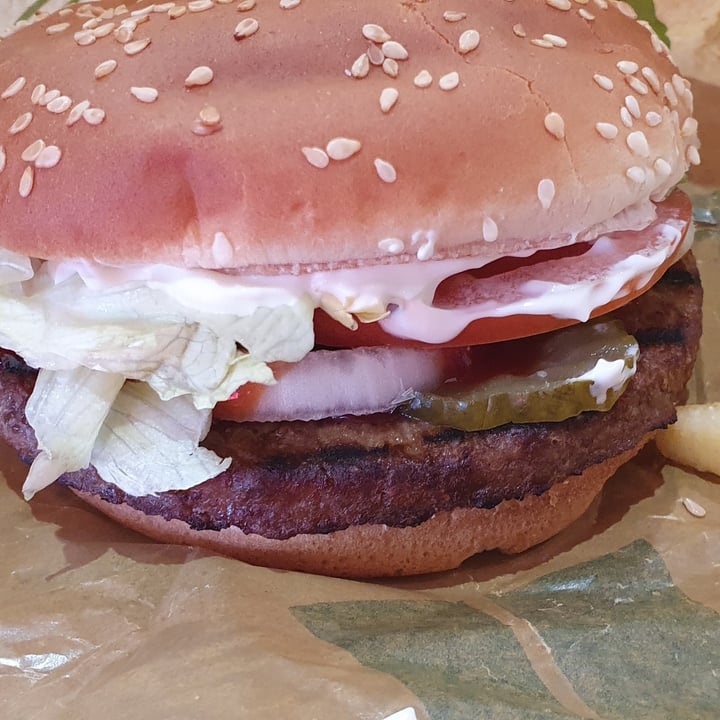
point(547, 378)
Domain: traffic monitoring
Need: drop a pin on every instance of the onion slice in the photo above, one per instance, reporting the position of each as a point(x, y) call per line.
point(330, 383)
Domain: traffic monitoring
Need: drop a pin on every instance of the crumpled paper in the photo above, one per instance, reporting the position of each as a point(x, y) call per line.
point(616, 618)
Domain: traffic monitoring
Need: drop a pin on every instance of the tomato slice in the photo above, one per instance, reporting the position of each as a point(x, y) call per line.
point(466, 289)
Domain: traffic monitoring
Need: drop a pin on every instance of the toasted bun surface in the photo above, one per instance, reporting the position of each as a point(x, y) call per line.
point(511, 158)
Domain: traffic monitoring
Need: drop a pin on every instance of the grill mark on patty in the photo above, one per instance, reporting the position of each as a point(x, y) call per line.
point(306, 477)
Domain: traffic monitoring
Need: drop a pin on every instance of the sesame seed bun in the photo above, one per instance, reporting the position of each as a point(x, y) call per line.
point(304, 137)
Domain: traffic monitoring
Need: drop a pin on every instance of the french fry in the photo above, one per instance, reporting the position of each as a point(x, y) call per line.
point(694, 440)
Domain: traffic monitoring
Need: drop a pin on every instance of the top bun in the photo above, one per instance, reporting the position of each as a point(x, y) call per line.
point(492, 127)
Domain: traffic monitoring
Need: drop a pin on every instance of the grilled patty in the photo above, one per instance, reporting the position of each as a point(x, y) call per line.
point(297, 477)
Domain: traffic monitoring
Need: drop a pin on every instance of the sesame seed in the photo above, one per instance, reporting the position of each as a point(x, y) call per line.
point(555, 40)
point(37, 94)
point(519, 30)
point(124, 34)
point(679, 85)
point(489, 230)
point(203, 129)
point(316, 156)
point(394, 246)
point(196, 6)
point(163, 7)
point(626, 117)
point(144, 94)
point(84, 37)
point(120, 10)
point(342, 148)
point(361, 67)
point(201, 75)
point(670, 94)
point(627, 67)
point(626, 9)
point(388, 98)
point(449, 81)
point(637, 142)
point(176, 12)
point(394, 50)
point(66, 11)
point(694, 508)
point(453, 16)
point(651, 76)
point(93, 115)
point(77, 112)
point(659, 46)
point(49, 96)
point(48, 157)
point(637, 85)
point(289, 4)
point(604, 82)
point(541, 42)
point(143, 12)
point(136, 46)
point(423, 79)
point(30, 153)
point(427, 249)
point(375, 33)
point(21, 123)
point(468, 41)
point(245, 28)
point(27, 180)
point(555, 125)
point(692, 155)
point(636, 174)
point(689, 127)
point(13, 88)
point(390, 67)
point(546, 192)
point(104, 30)
point(105, 68)
point(586, 14)
point(607, 130)
point(375, 55)
point(559, 4)
point(210, 116)
point(633, 106)
point(91, 24)
point(59, 105)
point(57, 28)
point(246, 5)
point(653, 119)
point(386, 172)
point(662, 167)
point(3, 158)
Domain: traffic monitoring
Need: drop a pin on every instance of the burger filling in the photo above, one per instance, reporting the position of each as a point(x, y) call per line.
point(191, 338)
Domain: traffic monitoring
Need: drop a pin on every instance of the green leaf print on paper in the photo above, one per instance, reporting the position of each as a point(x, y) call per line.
point(458, 661)
point(631, 645)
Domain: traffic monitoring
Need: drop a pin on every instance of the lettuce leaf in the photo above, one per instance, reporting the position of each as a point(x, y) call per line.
point(147, 445)
point(646, 11)
point(67, 409)
point(88, 339)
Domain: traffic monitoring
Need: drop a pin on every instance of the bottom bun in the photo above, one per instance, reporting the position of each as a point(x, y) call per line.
point(365, 551)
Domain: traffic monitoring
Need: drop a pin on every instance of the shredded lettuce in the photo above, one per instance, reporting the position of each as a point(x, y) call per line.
point(67, 409)
point(89, 340)
point(148, 445)
point(142, 334)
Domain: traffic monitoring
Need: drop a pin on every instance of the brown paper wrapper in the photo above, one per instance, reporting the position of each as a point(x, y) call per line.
point(615, 618)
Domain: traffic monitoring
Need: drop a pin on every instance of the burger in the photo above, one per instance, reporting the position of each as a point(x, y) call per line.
point(360, 289)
